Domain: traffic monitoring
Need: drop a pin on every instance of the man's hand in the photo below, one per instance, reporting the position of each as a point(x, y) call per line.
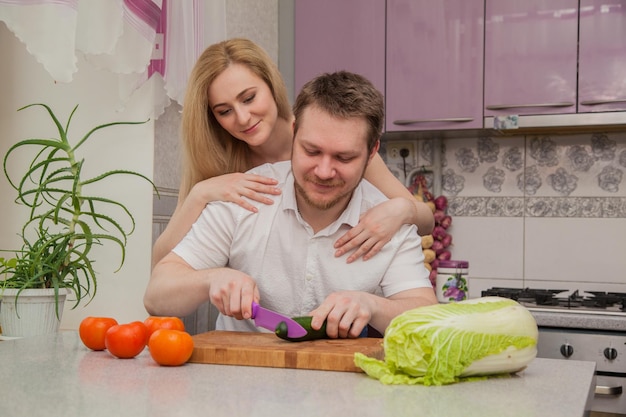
point(232, 292)
point(346, 314)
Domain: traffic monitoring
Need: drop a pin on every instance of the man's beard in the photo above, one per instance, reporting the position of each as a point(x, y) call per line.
point(322, 205)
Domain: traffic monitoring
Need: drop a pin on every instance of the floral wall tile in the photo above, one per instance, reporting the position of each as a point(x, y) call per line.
point(578, 165)
point(554, 175)
point(482, 166)
point(578, 175)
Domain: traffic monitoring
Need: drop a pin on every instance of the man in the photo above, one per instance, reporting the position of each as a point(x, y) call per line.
point(283, 256)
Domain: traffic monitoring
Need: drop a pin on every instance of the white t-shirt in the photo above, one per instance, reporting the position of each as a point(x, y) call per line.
point(295, 269)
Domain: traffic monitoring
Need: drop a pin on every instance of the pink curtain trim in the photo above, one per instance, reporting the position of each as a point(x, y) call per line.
point(158, 65)
point(145, 10)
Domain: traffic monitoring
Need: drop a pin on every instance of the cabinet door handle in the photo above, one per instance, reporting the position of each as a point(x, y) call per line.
point(514, 106)
point(606, 390)
point(596, 102)
point(450, 119)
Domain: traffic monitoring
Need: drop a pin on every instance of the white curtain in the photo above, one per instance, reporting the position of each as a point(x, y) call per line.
point(148, 43)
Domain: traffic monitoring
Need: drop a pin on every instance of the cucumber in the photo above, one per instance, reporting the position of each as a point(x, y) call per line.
point(304, 321)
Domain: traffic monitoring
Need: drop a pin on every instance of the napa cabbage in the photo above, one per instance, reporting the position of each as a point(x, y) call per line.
point(446, 343)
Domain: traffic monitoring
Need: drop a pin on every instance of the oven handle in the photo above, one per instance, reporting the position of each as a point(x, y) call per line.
point(607, 390)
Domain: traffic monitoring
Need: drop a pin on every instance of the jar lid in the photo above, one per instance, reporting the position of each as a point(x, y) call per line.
point(453, 264)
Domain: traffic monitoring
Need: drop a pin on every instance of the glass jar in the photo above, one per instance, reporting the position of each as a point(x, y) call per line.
point(452, 283)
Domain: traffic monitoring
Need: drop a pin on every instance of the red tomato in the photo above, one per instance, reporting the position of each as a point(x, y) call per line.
point(170, 347)
point(154, 323)
point(126, 340)
point(93, 329)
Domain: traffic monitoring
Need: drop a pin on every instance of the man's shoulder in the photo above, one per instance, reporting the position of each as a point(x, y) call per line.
point(370, 194)
point(277, 170)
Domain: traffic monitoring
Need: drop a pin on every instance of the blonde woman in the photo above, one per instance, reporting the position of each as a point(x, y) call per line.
point(236, 116)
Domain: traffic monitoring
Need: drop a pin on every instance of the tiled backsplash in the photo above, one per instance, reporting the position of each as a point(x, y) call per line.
point(543, 211)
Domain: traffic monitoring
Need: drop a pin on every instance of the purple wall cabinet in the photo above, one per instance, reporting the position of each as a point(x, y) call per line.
point(602, 56)
point(335, 35)
point(434, 65)
point(530, 56)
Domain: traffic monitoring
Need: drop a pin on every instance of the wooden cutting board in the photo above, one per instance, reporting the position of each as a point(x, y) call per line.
point(266, 349)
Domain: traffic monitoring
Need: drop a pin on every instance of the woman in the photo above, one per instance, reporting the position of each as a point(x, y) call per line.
point(237, 116)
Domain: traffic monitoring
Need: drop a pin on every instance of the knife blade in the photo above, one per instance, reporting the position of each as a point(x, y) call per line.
point(269, 319)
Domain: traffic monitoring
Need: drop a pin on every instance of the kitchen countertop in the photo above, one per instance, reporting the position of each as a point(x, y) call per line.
point(579, 319)
point(56, 375)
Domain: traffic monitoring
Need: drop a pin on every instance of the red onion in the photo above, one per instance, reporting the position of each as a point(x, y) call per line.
point(433, 277)
point(446, 241)
point(439, 232)
point(445, 255)
point(446, 222)
point(441, 202)
point(439, 216)
point(434, 264)
point(437, 246)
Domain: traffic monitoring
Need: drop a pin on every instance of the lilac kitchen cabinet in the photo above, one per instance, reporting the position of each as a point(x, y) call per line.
point(602, 56)
point(335, 35)
point(434, 65)
point(530, 57)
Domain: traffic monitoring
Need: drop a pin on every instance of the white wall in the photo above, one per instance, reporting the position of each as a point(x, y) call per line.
point(24, 81)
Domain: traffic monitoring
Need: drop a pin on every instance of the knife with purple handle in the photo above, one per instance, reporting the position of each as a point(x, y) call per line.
point(269, 319)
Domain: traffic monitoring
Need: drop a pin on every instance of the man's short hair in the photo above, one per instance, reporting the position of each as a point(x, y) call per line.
point(346, 95)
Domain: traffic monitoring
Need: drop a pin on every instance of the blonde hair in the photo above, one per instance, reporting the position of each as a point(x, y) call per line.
point(208, 149)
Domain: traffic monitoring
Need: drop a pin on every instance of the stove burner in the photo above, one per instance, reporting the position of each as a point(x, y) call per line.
point(561, 298)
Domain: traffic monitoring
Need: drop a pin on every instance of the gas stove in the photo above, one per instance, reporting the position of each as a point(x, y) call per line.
point(597, 333)
point(564, 300)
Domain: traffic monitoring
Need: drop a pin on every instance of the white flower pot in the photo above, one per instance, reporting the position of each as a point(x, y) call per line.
point(35, 314)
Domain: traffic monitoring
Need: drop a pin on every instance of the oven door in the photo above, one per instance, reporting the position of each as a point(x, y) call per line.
point(609, 397)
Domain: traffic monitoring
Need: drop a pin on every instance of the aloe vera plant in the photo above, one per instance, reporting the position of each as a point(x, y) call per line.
point(65, 221)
